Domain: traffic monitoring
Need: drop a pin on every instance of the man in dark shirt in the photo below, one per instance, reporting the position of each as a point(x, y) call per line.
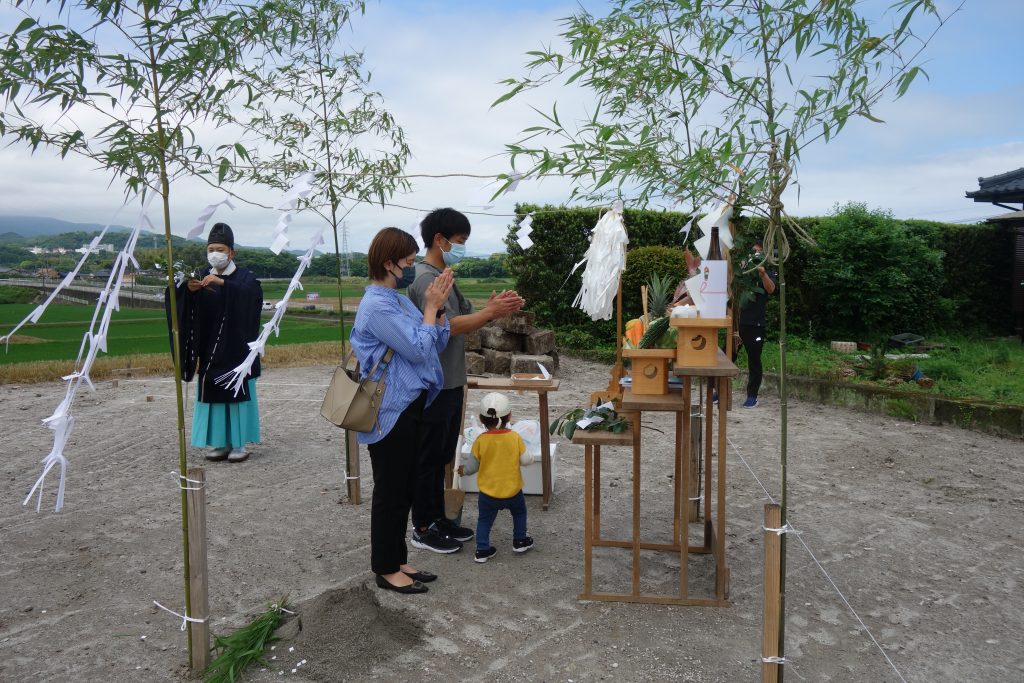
point(752, 329)
point(445, 232)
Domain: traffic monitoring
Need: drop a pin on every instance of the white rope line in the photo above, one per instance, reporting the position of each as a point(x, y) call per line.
point(820, 567)
point(773, 660)
point(348, 477)
point(787, 528)
point(184, 487)
point(185, 620)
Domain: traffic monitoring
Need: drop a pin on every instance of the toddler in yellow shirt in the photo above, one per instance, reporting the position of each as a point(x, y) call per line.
point(497, 453)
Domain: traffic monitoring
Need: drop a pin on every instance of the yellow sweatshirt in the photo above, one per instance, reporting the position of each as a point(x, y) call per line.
point(498, 452)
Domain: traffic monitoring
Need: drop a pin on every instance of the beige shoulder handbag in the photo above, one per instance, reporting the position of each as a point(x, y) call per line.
point(352, 403)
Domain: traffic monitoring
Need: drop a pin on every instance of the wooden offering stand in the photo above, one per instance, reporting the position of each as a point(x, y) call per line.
point(649, 370)
point(713, 542)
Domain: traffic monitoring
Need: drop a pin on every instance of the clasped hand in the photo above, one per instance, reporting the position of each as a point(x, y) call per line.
point(504, 303)
point(211, 279)
point(437, 291)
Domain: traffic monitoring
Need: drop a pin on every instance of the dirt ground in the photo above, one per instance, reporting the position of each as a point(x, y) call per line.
point(918, 526)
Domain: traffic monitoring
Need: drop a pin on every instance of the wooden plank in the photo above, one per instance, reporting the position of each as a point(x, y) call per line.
point(684, 538)
point(199, 599)
point(506, 384)
point(671, 402)
point(597, 492)
point(588, 514)
point(772, 604)
point(721, 574)
point(545, 452)
point(583, 438)
point(722, 368)
point(653, 599)
point(636, 505)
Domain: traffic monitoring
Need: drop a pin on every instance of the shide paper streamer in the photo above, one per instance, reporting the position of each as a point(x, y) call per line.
point(300, 189)
point(37, 313)
point(523, 234)
point(236, 377)
point(605, 259)
point(200, 224)
point(61, 422)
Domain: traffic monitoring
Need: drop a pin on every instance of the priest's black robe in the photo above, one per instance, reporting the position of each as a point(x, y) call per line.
point(216, 325)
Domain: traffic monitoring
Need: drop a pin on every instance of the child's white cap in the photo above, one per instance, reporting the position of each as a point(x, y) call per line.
point(495, 405)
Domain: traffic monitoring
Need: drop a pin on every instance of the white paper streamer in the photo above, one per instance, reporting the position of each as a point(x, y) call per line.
point(524, 231)
point(61, 422)
point(200, 224)
point(300, 189)
point(38, 311)
point(235, 378)
point(605, 259)
point(686, 228)
point(515, 178)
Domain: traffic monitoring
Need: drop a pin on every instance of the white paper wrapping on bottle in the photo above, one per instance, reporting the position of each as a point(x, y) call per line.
point(714, 289)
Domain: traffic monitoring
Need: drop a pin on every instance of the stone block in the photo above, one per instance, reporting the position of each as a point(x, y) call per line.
point(520, 322)
point(527, 363)
point(500, 340)
point(540, 342)
point(475, 364)
point(497, 362)
point(472, 340)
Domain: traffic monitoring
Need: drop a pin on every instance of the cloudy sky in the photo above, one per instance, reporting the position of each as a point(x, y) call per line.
point(438, 65)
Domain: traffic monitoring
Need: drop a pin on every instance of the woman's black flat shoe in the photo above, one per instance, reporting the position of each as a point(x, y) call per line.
point(425, 577)
point(414, 587)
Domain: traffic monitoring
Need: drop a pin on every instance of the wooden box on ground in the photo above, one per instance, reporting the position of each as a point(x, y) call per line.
point(697, 343)
point(649, 369)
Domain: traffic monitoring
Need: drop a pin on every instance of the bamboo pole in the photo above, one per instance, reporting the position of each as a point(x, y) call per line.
point(783, 428)
point(772, 615)
point(173, 304)
point(198, 585)
point(696, 453)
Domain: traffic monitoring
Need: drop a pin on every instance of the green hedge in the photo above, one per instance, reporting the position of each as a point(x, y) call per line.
point(975, 279)
point(641, 264)
point(561, 238)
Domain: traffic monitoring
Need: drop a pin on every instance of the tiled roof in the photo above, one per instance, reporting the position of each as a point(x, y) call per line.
point(1005, 187)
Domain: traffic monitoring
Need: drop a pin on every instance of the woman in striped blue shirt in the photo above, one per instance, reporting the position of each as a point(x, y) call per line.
point(387, 319)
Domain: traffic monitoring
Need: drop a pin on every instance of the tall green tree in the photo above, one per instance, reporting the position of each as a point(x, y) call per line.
point(685, 90)
point(149, 77)
point(320, 116)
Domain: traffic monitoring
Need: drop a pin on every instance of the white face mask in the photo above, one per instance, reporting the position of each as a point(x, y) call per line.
point(218, 259)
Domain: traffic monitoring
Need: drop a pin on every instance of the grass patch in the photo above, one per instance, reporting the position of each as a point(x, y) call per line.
point(476, 290)
point(58, 337)
point(160, 364)
point(17, 295)
point(989, 370)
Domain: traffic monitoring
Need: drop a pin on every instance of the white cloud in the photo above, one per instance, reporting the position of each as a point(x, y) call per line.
point(439, 72)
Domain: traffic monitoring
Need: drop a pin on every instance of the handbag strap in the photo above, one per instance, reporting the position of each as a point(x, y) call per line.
point(385, 359)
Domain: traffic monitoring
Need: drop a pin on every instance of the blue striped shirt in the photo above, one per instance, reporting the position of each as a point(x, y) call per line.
point(388, 319)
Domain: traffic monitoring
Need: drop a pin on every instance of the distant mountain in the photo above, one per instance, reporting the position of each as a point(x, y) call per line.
point(34, 226)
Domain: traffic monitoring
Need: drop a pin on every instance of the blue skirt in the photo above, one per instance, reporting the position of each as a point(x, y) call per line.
point(219, 425)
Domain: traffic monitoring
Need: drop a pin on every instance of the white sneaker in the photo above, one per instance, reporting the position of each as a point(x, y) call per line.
point(217, 454)
point(238, 455)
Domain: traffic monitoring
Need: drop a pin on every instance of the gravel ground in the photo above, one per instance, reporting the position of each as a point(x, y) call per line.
point(917, 525)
